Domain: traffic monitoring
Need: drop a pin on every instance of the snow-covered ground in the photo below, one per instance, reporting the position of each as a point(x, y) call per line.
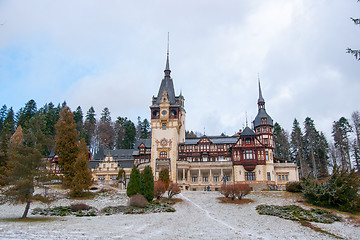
point(199, 216)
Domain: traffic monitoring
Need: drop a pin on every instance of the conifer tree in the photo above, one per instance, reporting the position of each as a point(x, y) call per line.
point(27, 170)
point(147, 183)
point(164, 176)
point(89, 126)
point(356, 144)
point(134, 185)
point(297, 146)
point(83, 178)
point(78, 118)
point(66, 144)
point(105, 131)
point(281, 141)
point(341, 129)
point(25, 114)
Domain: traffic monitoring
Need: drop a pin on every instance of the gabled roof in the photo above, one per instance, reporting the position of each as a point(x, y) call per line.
point(247, 132)
point(146, 142)
point(214, 140)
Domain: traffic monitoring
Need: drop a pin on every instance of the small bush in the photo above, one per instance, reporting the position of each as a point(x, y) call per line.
point(293, 187)
point(233, 191)
point(173, 190)
point(138, 200)
point(79, 206)
point(164, 176)
point(159, 189)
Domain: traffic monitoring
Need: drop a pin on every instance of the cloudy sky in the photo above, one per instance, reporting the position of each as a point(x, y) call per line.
point(112, 54)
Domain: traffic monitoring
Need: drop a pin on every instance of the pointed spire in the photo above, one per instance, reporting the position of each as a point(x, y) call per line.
point(261, 101)
point(167, 67)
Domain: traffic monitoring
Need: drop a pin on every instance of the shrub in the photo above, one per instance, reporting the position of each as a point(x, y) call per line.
point(241, 190)
point(339, 191)
point(134, 182)
point(159, 189)
point(138, 200)
point(173, 190)
point(293, 187)
point(233, 191)
point(79, 206)
point(164, 176)
point(147, 183)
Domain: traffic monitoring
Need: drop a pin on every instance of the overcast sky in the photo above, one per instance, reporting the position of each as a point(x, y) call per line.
point(112, 54)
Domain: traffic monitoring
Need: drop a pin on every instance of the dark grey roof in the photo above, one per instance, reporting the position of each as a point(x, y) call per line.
point(146, 142)
point(261, 99)
point(214, 140)
point(118, 154)
point(168, 85)
point(247, 132)
point(126, 164)
point(262, 114)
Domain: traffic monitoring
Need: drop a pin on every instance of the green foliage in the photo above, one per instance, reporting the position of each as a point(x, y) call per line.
point(340, 191)
point(164, 176)
point(89, 126)
point(25, 114)
point(66, 144)
point(105, 130)
point(147, 183)
point(134, 185)
point(26, 171)
point(125, 133)
point(281, 141)
point(83, 178)
point(293, 187)
point(296, 213)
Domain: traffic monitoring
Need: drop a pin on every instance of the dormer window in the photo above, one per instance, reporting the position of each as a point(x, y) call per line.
point(263, 121)
point(248, 141)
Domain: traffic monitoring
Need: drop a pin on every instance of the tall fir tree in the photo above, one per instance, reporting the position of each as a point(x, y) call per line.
point(340, 132)
point(126, 133)
point(105, 130)
point(3, 112)
point(281, 141)
point(89, 127)
point(66, 146)
point(297, 148)
point(134, 185)
point(147, 183)
point(83, 178)
point(25, 114)
point(356, 143)
point(78, 118)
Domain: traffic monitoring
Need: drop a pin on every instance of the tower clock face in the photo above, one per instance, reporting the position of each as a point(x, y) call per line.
point(163, 112)
point(163, 142)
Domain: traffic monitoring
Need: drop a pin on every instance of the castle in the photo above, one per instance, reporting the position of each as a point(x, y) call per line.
point(205, 162)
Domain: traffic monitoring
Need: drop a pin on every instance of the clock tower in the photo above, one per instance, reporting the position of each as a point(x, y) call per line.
point(167, 126)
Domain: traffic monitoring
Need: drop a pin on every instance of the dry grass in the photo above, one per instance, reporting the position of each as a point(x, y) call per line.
point(29, 219)
point(317, 229)
point(235, 201)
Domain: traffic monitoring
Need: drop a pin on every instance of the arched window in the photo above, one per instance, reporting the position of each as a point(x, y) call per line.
point(163, 154)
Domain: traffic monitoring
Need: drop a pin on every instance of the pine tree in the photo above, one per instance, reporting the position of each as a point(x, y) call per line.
point(341, 129)
point(78, 119)
point(311, 138)
point(105, 131)
point(25, 114)
point(297, 147)
point(356, 144)
point(134, 185)
point(147, 184)
point(83, 178)
point(164, 176)
point(3, 112)
point(6, 132)
point(89, 126)
point(282, 145)
point(66, 144)
point(27, 171)
point(125, 133)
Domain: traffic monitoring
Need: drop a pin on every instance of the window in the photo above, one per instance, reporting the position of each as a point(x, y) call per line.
point(266, 155)
point(263, 120)
point(101, 177)
point(104, 165)
point(189, 159)
point(268, 176)
point(266, 141)
point(163, 154)
point(216, 178)
point(221, 158)
point(248, 154)
point(113, 177)
point(249, 176)
point(264, 129)
point(164, 126)
point(247, 141)
point(205, 179)
point(205, 159)
point(194, 179)
point(284, 177)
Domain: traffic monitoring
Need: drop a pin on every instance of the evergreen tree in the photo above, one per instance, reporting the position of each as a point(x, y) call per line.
point(66, 144)
point(312, 138)
point(341, 129)
point(322, 154)
point(147, 183)
point(6, 132)
point(51, 115)
point(134, 185)
point(281, 141)
point(105, 131)
point(164, 176)
point(78, 118)
point(143, 129)
point(89, 126)
point(125, 133)
point(297, 148)
point(3, 112)
point(27, 171)
point(25, 114)
point(83, 178)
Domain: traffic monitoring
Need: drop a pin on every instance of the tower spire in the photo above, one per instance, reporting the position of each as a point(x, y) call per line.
point(261, 101)
point(167, 67)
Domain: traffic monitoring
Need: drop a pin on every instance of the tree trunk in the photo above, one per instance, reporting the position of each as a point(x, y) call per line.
point(26, 208)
